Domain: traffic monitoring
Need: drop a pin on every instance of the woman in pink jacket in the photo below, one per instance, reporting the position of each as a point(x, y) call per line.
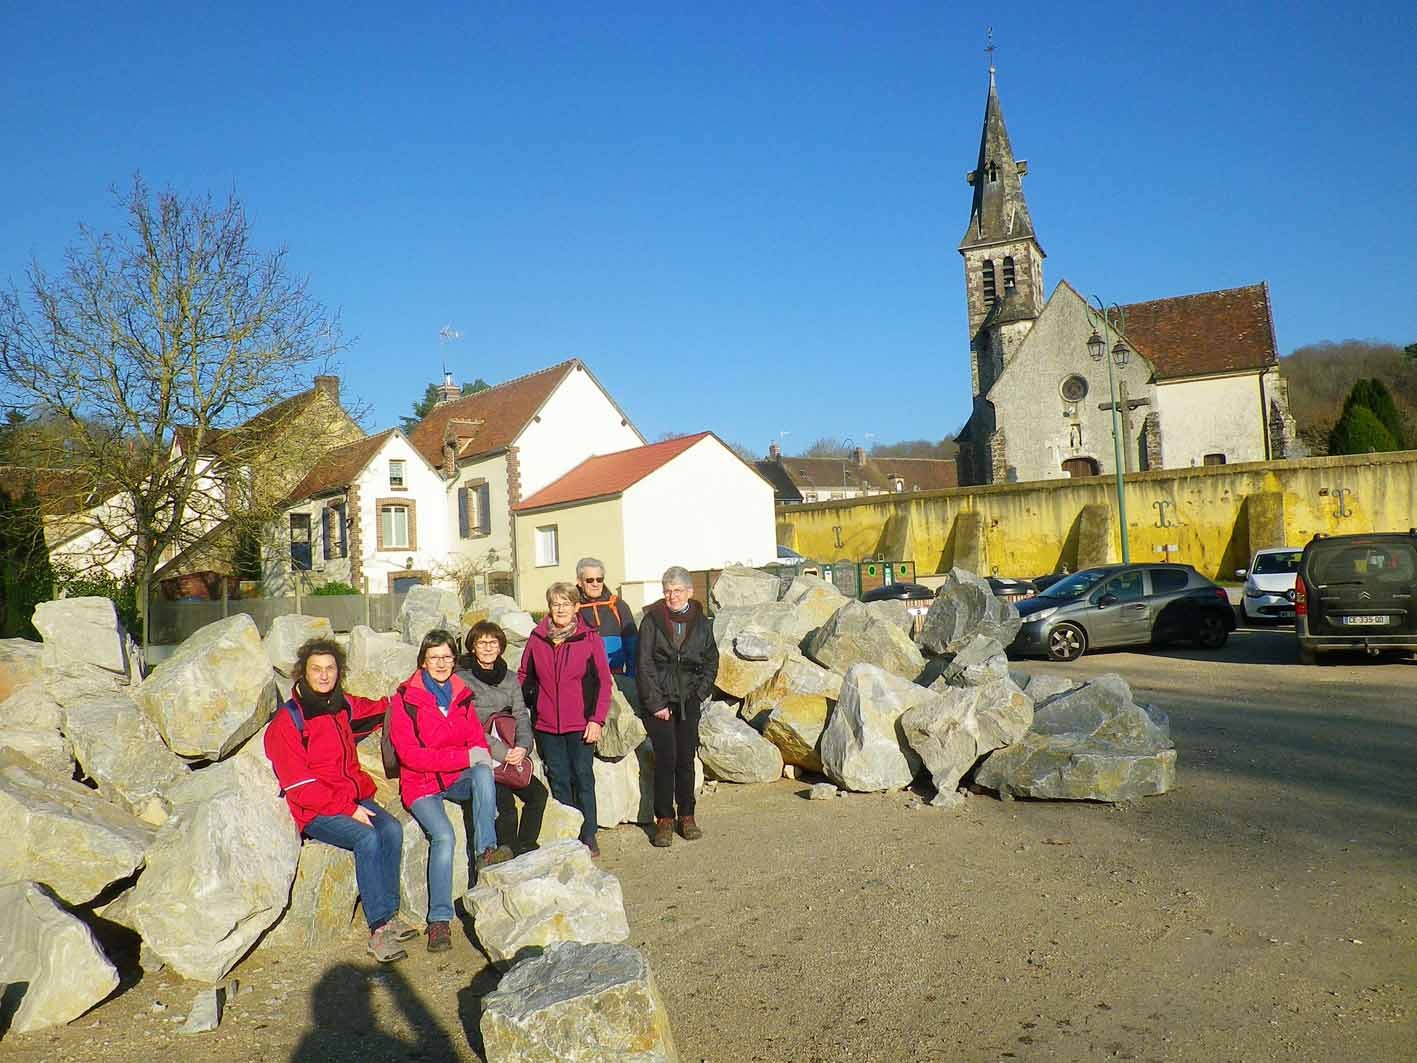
point(443, 756)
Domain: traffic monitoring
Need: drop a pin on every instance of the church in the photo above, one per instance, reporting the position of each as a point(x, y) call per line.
point(1193, 379)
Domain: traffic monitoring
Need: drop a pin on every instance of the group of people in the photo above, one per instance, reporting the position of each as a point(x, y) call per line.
point(461, 729)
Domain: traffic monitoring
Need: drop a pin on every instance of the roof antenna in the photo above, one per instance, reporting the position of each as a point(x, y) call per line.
point(990, 47)
point(447, 391)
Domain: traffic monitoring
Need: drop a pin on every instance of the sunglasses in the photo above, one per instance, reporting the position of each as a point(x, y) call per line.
point(592, 579)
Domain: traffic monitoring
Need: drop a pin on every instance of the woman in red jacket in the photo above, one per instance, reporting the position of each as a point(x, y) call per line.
point(443, 756)
point(566, 679)
point(310, 744)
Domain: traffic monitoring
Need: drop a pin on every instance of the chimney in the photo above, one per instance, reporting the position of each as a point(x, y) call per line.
point(329, 385)
point(858, 456)
point(447, 390)
point(450, 455)
point(774, 451)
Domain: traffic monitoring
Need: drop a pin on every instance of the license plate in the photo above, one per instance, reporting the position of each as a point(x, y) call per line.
point(1354, 621)
point(1286, 612)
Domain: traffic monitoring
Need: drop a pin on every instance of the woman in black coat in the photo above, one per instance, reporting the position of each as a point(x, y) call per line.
point(676, 668)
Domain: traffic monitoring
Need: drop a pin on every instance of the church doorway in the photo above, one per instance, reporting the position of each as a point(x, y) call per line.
point(1079, 467)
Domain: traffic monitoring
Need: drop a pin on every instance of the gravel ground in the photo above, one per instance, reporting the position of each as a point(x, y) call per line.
point(1262, 911)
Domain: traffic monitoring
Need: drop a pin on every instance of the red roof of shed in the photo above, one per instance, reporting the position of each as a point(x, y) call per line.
point(609, 474)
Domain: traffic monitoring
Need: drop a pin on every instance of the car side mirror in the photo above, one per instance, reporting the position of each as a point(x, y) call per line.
point(1106, 600)
point(1241, 573)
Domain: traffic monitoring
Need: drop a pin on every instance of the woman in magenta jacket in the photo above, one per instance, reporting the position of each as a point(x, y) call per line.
point(566, 679)
point(443, 756)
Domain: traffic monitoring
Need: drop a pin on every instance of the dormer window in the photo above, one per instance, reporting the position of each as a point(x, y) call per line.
point(396, 470)
point(988, 282)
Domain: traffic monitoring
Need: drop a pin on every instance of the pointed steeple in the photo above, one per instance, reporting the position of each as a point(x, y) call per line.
point(999, 211)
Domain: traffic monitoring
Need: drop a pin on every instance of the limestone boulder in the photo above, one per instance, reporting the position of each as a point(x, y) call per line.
point(21, 663)
point(552, 894)
point(738, 585)
point(1045, 687)
point(30, 724)
point(897, 612)
point(214, 692)
point(288, 633)
point(623, 730)
point(489, 607)
point(620, 788)
point(86, 631)
point(578, 1003)
point(560, 823)
point(815, 600)
point(51, 957)
point(1093, 743)
point(795, 727)
point(858, 635)
point(966, 606)
point(322, 900)
point(220, 869)
point(119, 749)
point(379, 663)
point(979, 662)
point(862, 747)
point(952, 731)
point(733, 751)
point(740, 675)
point(517, 624)
point(425, 608)
point(63, 834)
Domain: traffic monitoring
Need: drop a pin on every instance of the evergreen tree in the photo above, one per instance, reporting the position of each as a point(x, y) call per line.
point(1373, 394)
point(1359, 431)
point(424, 406)
point(25, 575)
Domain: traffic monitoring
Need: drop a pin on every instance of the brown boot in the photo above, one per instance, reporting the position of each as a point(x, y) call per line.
point(663, 833)
point(692, 831)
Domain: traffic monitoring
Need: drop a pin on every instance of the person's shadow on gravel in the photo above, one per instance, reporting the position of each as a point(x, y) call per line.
point(346, 1028)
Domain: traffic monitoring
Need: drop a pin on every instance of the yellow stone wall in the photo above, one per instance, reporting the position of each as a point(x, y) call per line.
point(1028, 529)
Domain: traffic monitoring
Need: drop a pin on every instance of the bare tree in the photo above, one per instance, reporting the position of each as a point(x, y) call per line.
point(828, 447)
point(154, 350)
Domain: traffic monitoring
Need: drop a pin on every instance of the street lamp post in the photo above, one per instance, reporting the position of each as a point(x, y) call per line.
point(1097, 348)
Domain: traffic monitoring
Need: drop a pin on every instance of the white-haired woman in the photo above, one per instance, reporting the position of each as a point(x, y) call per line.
point(678, 663)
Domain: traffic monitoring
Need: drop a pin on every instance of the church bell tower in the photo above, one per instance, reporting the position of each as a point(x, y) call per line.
point(1003, 262)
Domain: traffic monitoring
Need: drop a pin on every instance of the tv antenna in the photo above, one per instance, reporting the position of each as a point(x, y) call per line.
point(446, 334)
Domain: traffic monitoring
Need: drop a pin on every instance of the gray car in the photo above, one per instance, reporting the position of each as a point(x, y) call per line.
point(1124, 605)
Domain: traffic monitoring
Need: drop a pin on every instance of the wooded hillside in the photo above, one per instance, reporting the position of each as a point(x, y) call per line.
point(1321, 375)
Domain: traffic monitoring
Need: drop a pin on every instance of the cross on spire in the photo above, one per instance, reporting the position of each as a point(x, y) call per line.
point(990, 47)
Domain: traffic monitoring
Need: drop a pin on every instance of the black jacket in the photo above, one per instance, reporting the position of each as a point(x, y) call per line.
point(673, 677)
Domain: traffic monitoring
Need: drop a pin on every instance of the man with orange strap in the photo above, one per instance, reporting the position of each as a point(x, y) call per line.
point(606, 615)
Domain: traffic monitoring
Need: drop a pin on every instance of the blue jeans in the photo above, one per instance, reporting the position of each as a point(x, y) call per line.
point(476, 791)
point(378, 856)
point(570, 771)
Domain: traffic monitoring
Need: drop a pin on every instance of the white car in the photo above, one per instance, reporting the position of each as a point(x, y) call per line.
point(1269, 584)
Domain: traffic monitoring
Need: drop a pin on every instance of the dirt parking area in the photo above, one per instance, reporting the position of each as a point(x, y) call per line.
point(1265, 910)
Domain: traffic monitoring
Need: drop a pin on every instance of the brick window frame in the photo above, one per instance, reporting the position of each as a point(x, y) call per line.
point(381, 504)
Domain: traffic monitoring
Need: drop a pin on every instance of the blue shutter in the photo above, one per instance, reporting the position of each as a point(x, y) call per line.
point(484, 509)
point(342, 516)
point(326, 516)
point(464, 527)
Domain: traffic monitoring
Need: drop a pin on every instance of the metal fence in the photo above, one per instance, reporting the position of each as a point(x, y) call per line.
point(172, 622)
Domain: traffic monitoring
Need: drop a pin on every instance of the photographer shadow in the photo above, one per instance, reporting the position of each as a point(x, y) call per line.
point(343, 1017)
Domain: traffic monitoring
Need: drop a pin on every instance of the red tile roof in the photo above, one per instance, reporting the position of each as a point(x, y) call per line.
point(488, 420)
point(920, 474)
point(1212, 332)
point(339, 467)
point(609, 474)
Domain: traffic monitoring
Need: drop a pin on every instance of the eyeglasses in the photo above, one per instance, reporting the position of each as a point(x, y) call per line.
point(438, 658)
point(488, 643)
point(592, 579)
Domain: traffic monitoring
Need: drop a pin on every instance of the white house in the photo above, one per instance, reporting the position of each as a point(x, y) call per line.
point(689, 501)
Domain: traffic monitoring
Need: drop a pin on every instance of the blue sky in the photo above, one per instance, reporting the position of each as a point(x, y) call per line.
point(743, 217)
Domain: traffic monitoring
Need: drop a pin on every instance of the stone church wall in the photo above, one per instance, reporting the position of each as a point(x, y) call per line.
point(1202, 513)
point(1218, 415)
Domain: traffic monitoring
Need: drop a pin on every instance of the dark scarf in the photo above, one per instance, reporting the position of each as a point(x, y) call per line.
point(442, 692)
point(488, 676)
point(313, 704)
point(679, 622)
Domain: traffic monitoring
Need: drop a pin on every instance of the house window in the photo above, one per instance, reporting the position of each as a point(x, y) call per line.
point(397, 524)
point(396, 470)
point(332, 532)
point(300, 542)
point(548, 548)
point(474, 510)
point(1008, 272)
point(988, 282)
point(1213, 459)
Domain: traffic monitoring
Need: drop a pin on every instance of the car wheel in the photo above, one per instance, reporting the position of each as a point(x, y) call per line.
point(1066, 642)
point(1307, 656)
point(1212, 633)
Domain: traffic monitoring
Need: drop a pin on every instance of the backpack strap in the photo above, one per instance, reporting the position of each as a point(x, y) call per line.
point(298, 719)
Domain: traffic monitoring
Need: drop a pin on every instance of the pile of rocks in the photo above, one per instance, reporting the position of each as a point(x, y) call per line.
point(818, 682)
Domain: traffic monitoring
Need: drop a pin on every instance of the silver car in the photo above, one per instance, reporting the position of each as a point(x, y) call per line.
point(1124, 605)
point(1269, 584)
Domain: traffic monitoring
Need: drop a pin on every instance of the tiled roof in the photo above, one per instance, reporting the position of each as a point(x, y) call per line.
point(1212, 332)
point(339, 467)
point(783, 489)
point(488, 420)
point(258, 427)
point(61, 492)
point(609, 474)
point(839, 473)
point(921, 474)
